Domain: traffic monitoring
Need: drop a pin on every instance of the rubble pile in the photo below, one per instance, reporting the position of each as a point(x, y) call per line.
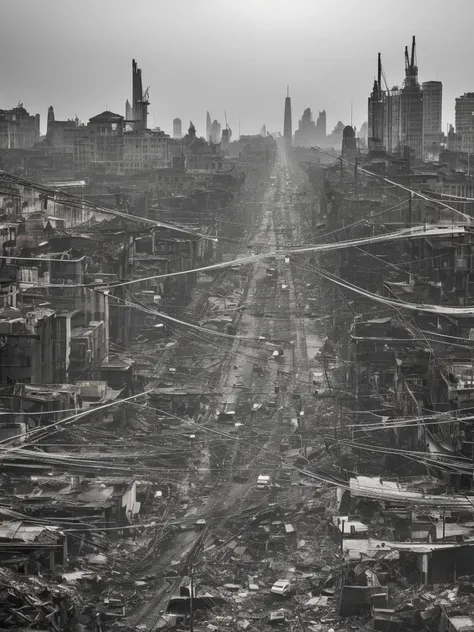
point(38, 603)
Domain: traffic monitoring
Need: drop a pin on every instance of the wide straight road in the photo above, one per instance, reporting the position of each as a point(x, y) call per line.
point(258, 381)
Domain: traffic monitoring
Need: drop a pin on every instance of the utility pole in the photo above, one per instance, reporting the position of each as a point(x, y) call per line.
point(355, 176)
point(191, 603)
point(313, 213)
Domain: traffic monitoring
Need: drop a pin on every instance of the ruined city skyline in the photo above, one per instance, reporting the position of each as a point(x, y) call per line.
point(281, 48)
point(236, 368)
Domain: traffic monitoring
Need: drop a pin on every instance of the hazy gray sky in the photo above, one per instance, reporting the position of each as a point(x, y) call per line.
point(234, 55)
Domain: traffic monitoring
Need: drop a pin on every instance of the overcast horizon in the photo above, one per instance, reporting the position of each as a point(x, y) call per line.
point(216, 55)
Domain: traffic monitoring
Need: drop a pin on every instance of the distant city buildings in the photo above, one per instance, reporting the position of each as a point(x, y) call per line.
point(62, 135)
point(287, 123)
point(376, 113)
point(107, 146)
point(392, 120)
point(362, 135)
point(18, 128)
point(334, 139)
point(226, 138)
point(215, 132)
point(208, 126)
point(305, 135)
point(464, 121)
point(177, 129)
point(310, 134)
point(321, 132)
point(411, 107)
point(140, 101)
point(432, 118)
point(349, 143)
point(407, 117)
point(128, 111)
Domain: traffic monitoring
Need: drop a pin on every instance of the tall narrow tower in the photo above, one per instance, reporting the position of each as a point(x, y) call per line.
point(128, 111)
point(50, 119)
point(411, 106)
point(432, 118)
point(287, 127)
point(208, 127)
point(140, 101)
point(376, 111)
point(177, 133)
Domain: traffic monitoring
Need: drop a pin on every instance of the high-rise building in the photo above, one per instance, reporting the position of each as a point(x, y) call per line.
point(432, 118)
point(321, 132)
point(177, 130)
point(392, 120)
point(362, 135)
point(208, 127)
point(464, 111)
point(334, 139)
point(128, 111)
point(140, 101)
point(305, 135)
point(411, 107)
point(50, 122)
point(349, 143)
point(287, 125)
point(376, 113)
point(215, 132)
point(226, 136)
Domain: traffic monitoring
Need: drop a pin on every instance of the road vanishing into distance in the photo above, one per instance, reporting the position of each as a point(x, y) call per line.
point(260, 384)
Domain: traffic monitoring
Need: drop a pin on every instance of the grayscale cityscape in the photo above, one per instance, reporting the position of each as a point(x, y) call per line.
point(236, 316)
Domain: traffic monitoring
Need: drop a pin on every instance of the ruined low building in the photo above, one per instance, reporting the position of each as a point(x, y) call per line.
point(27, 352)
point(105, 501)
point(31, 548)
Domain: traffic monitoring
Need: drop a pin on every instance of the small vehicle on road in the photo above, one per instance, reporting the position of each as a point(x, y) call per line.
point(281, 587)
point(264, 482)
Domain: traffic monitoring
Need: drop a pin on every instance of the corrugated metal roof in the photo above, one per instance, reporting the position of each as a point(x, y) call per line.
point(375, 487)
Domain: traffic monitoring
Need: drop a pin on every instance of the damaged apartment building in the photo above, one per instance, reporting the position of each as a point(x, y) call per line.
point(65, 354)
point(403, 332)
point(56, 328)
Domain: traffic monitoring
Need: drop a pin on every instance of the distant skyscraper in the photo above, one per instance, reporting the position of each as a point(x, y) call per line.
point(321, 132)
point(411, 107)
point(465, 122)
point(215, 132)
point(305, 135)
point(465, 113)
point(191, 131)
point(177, 131)
point(263, 131)
point(334, 139)
point(50, 119)
point(349, 142)
point(140, 101)
point(208, 127)
point(128, 111)
point(376, 111)
point(392, 120)
point(432, 118)
point(287, 125)
point(226, 136)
